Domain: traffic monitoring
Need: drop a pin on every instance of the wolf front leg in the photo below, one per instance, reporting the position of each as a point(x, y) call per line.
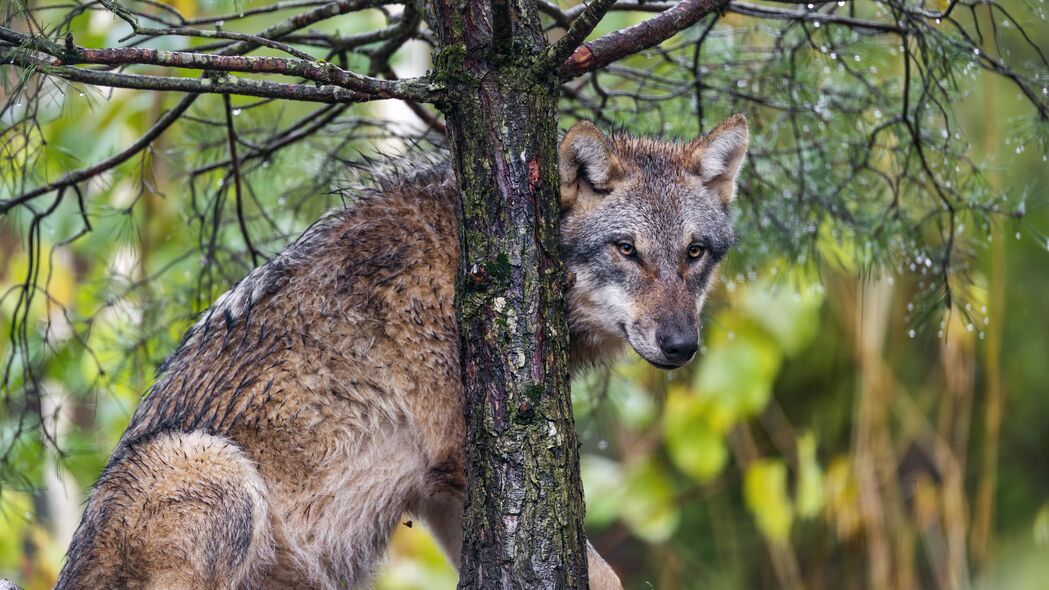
point(602, 576)
point(443, 515)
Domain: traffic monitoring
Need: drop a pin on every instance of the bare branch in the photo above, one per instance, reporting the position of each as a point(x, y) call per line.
point(615, 46)
point(579, 31)
point(121, 12)
point(622, 6)
point(402, 31)
point(211, 34)
point(339, 43)
point(322, 72)
point(553, 11)
point(231, 134)
point(297, 131)
point(759, 11)
point(420, 111)
point(266, 9)
point(767, 12)
point(297, 23)
point(208, 85)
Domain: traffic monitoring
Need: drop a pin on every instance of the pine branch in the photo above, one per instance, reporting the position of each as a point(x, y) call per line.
point(86, 173)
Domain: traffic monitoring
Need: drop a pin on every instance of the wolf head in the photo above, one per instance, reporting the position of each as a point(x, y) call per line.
point(644, 225)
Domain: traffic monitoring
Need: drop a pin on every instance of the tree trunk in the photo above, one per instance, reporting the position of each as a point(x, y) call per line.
point(524, 503)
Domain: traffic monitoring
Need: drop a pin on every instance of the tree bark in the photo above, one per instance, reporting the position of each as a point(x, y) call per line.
point(524, 501)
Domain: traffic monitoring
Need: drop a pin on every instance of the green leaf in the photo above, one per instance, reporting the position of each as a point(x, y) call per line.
point(603, 487)
point(790, 315)
point(15, 510)
point(765, 492)
point(1041, 526)
point(737, 374)
point(649, 506)
point(633, 404)
point(695, 445)
point(809, 497)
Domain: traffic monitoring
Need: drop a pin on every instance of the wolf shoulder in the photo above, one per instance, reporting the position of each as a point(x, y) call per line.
point(336, 312)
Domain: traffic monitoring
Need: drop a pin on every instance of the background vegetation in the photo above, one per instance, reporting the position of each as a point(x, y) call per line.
point(842, 428)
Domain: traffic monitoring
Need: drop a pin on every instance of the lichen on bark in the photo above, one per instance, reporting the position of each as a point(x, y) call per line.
point(524, 506)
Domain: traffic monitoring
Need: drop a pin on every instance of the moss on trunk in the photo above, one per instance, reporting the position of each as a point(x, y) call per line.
point(524, 506)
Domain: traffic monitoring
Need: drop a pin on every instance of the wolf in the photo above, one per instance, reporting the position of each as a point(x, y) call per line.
point(319, 399)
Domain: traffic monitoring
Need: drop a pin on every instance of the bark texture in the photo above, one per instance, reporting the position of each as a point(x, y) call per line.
point(524, 500)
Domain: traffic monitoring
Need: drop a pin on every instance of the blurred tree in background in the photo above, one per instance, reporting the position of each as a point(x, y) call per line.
point(871, 405)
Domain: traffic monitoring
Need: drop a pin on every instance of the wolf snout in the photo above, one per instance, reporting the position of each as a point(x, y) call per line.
point(678, 343)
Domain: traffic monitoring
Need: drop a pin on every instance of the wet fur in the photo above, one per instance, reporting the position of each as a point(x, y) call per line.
point(320, 398)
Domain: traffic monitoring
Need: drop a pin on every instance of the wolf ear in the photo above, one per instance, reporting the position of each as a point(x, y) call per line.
point(586, 164)
point(718, 155)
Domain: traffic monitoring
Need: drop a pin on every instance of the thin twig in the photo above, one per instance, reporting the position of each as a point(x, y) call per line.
point(231, 134)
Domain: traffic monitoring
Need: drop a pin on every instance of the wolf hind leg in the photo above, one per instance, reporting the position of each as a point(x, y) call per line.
point(443, 515)
point(181, 511)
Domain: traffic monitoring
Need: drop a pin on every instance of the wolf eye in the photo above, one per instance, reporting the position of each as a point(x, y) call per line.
point(626, 249)
point(695, 251)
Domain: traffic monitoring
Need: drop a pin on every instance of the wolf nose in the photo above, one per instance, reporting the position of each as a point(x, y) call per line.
point(677, 344)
